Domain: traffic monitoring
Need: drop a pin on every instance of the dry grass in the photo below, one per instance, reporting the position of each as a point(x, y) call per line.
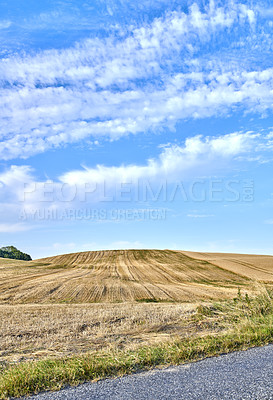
point(87, 315)
point(235, 324)
point(37, 331)
point(129, 275)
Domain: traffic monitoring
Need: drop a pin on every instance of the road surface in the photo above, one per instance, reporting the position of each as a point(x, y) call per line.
point(235, 376)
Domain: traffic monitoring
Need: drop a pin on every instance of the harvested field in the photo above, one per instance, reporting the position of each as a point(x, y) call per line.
point(130, 275)
point(252, 266)
point(38, 331)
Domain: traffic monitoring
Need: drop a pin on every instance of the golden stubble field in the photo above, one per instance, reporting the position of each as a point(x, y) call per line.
point(130, 275)
point(76, 303)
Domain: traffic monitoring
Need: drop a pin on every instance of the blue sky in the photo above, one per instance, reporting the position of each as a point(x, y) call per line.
point(136, 125)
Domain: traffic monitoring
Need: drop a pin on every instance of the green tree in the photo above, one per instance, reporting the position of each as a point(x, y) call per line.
point(14, 253)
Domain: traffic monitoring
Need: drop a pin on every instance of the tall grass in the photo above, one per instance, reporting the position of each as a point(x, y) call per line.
point(248, 322)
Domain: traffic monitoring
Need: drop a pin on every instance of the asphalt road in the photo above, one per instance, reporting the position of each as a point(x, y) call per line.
point(240, 375)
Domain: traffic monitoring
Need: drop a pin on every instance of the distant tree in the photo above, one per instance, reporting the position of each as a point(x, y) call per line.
point(12, 252)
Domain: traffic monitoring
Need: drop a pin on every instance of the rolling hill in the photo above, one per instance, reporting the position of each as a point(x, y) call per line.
point(131, 275)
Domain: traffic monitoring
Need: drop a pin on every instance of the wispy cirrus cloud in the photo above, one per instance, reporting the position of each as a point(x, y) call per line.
point(116, 86)
point(4, 24)
point(13, 228)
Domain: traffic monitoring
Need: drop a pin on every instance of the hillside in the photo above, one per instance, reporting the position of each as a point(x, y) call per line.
point(130, 275)
point(252, 266)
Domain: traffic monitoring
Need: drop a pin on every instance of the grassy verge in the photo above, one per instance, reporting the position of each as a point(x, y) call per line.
point(249, 323)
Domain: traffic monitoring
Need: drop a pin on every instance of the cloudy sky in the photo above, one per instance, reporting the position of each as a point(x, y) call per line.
point(129, 124)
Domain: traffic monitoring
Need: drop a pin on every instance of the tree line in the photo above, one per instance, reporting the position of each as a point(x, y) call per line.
point(12, 252)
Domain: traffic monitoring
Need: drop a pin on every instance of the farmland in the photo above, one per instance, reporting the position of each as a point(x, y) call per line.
point(131, 275)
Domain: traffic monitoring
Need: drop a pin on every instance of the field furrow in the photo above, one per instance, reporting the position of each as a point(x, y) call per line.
point(131, 275)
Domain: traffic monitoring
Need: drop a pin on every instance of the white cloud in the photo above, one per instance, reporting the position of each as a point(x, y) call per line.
point(12, 182)
point(13, 228)
point(196, 156)
point(63, 117)
point(24, 198)
point(15, 174)
point(5, 24)
point(174, 162)
point(59, 97)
